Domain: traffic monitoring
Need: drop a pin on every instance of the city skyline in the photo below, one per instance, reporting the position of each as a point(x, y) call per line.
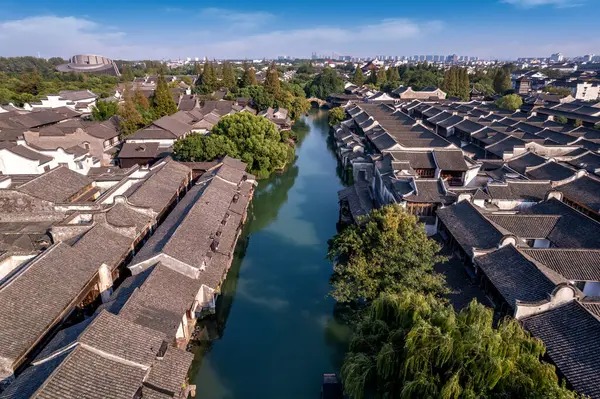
point(504, 29)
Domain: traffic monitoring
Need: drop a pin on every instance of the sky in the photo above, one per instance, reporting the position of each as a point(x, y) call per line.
point(151, 29)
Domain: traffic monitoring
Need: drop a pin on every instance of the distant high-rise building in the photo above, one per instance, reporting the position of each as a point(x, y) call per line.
point(557, 57)
point(588, 57)
point(429, 58)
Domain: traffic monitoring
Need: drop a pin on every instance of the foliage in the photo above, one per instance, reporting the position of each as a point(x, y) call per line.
point(484, 88)
point(411, 345)
point(388, 253)
point(392, 76)
point(502, 82)
point(306, 68)
point(561, 119)
point(130, 116)
point(381, 76)
point(420, 76)
point(336, 115)
point(103, 110)
point(511, 102)
point(372, 78)
point(253, 139)
point(325, 84)
point(562, 91)
point(358, 78)
point(228, 79)
point(249, 76)
point(456, 83)
point(208, 79)
point(272, 83)
point(578, 123)
point(162, 101)
point(259, 95)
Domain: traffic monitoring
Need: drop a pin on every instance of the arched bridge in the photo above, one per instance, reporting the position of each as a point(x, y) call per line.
point(318, 101)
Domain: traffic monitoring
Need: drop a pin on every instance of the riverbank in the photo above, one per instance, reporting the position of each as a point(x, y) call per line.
point(274, 332)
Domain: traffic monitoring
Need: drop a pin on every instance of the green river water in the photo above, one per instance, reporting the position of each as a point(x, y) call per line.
point(274, 334)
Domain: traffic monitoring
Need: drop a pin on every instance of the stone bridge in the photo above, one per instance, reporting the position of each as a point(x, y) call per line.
point(317, 100)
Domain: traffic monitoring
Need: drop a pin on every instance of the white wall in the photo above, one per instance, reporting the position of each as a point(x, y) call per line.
point(591, 288)
point(13, 164)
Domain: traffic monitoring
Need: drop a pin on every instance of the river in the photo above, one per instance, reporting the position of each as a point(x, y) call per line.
point(274, 334)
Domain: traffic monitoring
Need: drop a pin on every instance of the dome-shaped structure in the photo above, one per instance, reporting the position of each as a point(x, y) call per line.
point(89, 63)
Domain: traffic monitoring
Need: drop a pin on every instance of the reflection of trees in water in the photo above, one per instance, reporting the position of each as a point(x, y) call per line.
point(301, 128)
point(269, 197)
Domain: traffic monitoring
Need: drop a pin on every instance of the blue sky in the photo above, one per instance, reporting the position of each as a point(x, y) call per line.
point(134, 29)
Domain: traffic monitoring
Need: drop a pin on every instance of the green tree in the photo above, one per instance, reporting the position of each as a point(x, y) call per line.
point(103, 110)
point(561, 119)
point(325, 84)
point(208, 79)
point(562, 91)
point(511, 102)
point(249, 76)
point(358, 78)
point(272, 83)
point(372, 77)
point(336, 115)
point(392, 75)
point(465, 85)
point(229, 80)
point(578, 122)
point(253, 139)
point(162, 101)
point(130, 117)
point(411, 345)
point(502, 82)
point(259, 95)
point(126, 74)
point(381, 76)
point(387, 253)
point(197, 68)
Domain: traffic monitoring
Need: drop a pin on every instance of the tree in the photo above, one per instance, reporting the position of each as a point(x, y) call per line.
point(259, 95)
point(103, 110)
point(130, 117)
point(126, 74)
point(388, 252)
point(197, 68)
point(249, 77)
point(336, 115)
point(392, 75)
point(272, 83)
point(162, 102)
point(325, 84)
point(502, 81)
point(561, 119)
point(140, 100)
point(578, 123)
point(511, 102)
point(381, 76)
point(372, 77)
point(411, 345)
point(464, 86)
point(253, 139)
point(208, 79)
point(228, 80)
point(562, 91)
point(358, 78)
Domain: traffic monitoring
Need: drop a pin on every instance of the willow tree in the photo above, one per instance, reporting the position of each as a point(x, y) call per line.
point(387, 253)
point(411, 345)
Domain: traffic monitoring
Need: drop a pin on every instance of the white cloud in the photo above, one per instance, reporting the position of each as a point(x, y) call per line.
point(238, 20)
point(537, 3)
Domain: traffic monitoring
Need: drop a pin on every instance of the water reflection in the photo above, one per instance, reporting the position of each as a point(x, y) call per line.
point(274, 332)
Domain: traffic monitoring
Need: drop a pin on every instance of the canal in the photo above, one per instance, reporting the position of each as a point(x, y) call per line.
point(274, 334)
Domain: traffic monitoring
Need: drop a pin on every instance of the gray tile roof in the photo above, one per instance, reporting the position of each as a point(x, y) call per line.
point(451, 160)
point(588, 161)
point(585, 191)
point(139, 150)
point(58, 185)
point(469, 227)
point(169, 374)
point(573, 229)
point(570, 334)
point(528, 159)
point(573, 264)
point(515, 277)
point(519, 190)
point(161, 301)
point(416, 159)
point(161, 186)
point(527, 226)
point(550, 171)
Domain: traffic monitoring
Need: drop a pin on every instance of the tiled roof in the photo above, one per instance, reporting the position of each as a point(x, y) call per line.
point(550, 171)
point(515, 277)
point(519, 190)
point(58, 185)
point(585, 191)
point(452, 160)
point(588, 161)
point(570, 334)
point(573, 229)
point(139, 150)
point(416, 159)
point(168, 374)
point(528, 159)
point(527, 226)
point(469, 227)
point(573, 264)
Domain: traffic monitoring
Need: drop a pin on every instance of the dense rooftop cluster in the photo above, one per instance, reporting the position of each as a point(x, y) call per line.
point(515, 196)
point(66, 241)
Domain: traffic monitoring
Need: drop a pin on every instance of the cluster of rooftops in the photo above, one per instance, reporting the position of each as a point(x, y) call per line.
point(515, 196)
point(167, 234)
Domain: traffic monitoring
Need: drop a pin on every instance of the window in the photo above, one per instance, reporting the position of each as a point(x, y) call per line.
point(86, 145)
